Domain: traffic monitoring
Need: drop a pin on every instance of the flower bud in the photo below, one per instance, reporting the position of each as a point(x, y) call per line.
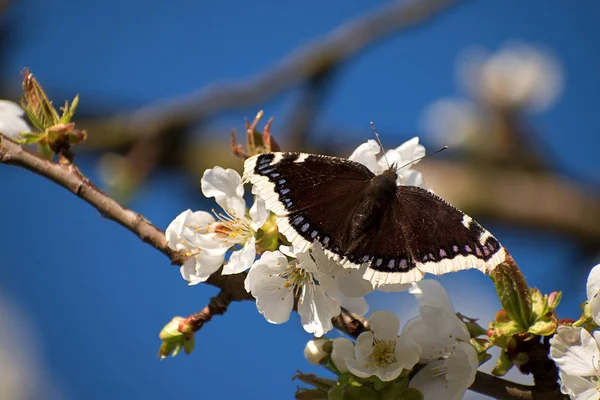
point(514, 293)
point(174, 340)
point(317, 351)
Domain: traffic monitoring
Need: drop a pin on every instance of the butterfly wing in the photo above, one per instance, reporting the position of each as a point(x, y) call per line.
point(421, 233)
point(307, 192)
point(316, 198)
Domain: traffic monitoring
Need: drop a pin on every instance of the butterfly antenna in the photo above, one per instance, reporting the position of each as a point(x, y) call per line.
point(380, 144)
point(426, 155)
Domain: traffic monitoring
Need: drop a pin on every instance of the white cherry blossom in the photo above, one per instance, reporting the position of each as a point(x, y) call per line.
point(577, 354)
point(453, 121)
point(518, 75)
point(208, 237)
point(11, 119)
point(449, 377)
point(401, 157)
point(183, 234)
point(593, 293)
point(279, 277)
point(381, 352)
point(451, 360)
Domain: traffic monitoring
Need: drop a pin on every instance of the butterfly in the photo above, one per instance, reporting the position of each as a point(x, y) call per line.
point(361, 219)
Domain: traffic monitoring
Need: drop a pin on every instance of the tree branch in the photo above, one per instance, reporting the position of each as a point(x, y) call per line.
point(232, 286)
point(71, 178)
point(301, 65)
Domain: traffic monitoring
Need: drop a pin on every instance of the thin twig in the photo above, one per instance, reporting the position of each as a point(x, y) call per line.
point(71, 178)
point(500, 389)
point(217, 306)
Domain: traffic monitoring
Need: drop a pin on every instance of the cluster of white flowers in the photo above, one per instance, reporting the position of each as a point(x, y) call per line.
point(318, 286)
point(437, 339)
point(281, 278)
point(577, 353)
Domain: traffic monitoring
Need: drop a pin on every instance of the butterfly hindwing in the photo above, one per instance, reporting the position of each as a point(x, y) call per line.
point(427, 235)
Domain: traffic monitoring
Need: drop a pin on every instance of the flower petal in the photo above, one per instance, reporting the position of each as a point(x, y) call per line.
point(241, 260)
point(404, 155)
point(11, 119)
point(577, 388)
point(199, 267)
point(258, 211)
point(461, 365)
point(433, 385)
point(174, 231)
point(362, 369)
point(436, 331)
point(343, 349)
point(357, 305)
point(364, 346)
point(407, 352)
point(226, 187)
point(366, 154)
point(269, 263)
point(595, 309)
point(575, 351)
point(395, 287)
point(352, 284)
point(273, 300)
point(389, 372)
point(593, 282)
point(384, 324)
point(412, 177)
point(316, 311)
point(430, 292)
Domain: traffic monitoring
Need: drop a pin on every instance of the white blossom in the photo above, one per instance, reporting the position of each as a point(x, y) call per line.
point(449, 377)
point(11, 119)
point(593, 293)
point(577, 355)
point(183, 235)
point(518, 75)
point(279, 277)
point(381, 352)
point(401, 157)
point(453, 122)
point(208, 237)
point(451, 360)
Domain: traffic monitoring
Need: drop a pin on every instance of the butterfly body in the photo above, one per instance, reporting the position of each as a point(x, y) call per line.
point(361, 219)
point(379, 192)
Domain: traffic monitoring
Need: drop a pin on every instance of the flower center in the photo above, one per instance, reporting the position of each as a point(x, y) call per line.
point(383, 353)
point(299, 280)
point(231, 228)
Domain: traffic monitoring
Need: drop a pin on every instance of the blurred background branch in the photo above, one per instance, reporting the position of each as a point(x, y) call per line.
point(311, 64)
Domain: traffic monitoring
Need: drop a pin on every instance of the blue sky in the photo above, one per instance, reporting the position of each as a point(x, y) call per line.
point(96, 297)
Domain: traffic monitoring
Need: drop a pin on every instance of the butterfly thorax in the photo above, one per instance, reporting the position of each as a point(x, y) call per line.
point(380, 191)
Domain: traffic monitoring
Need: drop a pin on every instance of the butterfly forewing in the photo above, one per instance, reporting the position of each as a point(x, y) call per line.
point(317, 194)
